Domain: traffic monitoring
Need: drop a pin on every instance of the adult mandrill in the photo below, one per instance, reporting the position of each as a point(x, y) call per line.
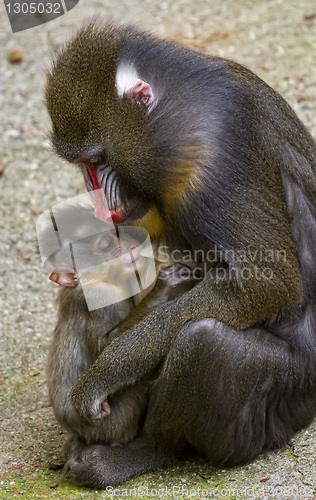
point(201, 152)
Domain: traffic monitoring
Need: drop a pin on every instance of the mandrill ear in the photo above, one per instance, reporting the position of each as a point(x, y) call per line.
point(127, 82)
point(141, 92)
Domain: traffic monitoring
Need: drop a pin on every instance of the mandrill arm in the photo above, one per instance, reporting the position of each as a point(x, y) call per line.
point(138, 350)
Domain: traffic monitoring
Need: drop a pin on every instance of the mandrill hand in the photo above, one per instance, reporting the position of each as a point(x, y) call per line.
point(89, 399)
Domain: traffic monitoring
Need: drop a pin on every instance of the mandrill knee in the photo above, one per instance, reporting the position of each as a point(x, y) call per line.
point(200, 333)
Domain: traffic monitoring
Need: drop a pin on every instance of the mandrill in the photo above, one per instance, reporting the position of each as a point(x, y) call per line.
point(207, 157)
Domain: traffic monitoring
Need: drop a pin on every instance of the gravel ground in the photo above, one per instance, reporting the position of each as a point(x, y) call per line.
point(274, 38)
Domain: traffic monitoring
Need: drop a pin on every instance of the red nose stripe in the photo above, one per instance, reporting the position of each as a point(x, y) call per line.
point(93, 177)
point(101, 212)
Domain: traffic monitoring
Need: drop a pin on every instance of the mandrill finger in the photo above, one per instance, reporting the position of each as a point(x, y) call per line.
point(105, 411)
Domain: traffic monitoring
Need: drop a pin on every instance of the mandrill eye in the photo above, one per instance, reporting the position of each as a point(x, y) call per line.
point(97, 160)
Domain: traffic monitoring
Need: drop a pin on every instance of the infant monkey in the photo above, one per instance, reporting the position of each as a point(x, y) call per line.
point(80, 335)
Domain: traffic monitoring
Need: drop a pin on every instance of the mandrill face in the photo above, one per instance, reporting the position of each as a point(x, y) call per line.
point(99, 108)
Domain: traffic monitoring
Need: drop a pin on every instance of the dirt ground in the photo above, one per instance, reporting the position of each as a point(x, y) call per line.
point(274, 38)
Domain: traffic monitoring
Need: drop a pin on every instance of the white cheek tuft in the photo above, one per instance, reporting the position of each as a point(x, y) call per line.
point(126, 76)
